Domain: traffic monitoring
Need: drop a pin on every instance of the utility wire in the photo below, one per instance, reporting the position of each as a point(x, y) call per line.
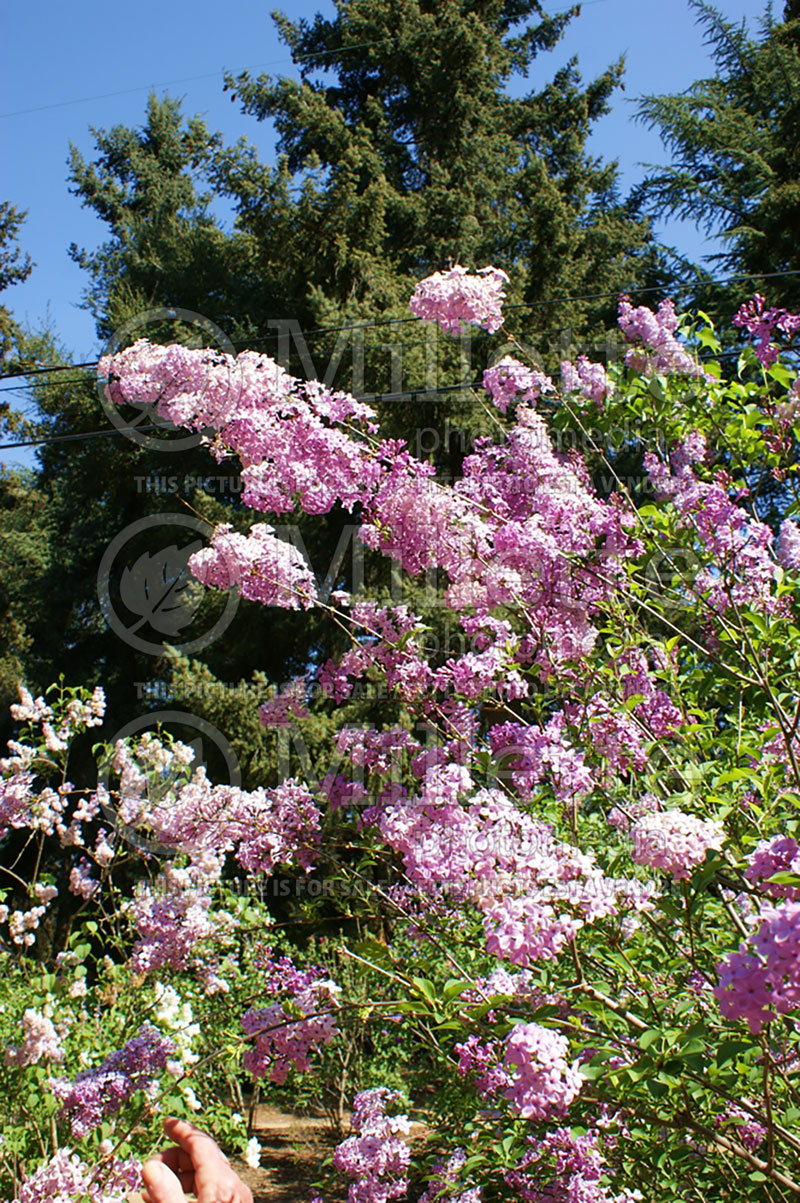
point(369, 398)
point(320, 330)
point(188, 79)
point(106, 430)
point(220, 72)
point(72, 438)
point(21, 390)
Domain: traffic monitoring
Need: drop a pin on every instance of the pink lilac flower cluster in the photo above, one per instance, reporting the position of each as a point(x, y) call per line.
point(377, 751)
point(615, 735)
point(535, 891)
point(376, 1157)
point(623, 818)
point(66, 1178)
point(78, 715)
point(674, 842)
point(40, 1041)
point(482, 1063)
point(81, 881)
point(741, 1125)
point(444, 1183)
point(533, 755)
point(22, 925)
point(292, 437)
point(546, 545)
point(781, 854)
point(264, 827)
point(285, 1033)
point(509, 381)
point(659, 349)
point(263, 567)
point(761, 324)
point(288, 703)
point(565, 1167)
point(99, 1093)
point(590, 379)
point(541, 1081)
point(529, 1069)
point(788, 546)
point(421, 523)
point(485, 840)
point(656, 709)
point(390, 644)
point(175, 925)
point(525, 930)
point(476, 674)
point(502, 982)
point(740, 569)
point(521, 528)
point(281, 973)
point(762, 979)
point(52, 812)
point(457, 298)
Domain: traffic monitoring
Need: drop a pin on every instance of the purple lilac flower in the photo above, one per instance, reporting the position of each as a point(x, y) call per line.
point(98, 1093)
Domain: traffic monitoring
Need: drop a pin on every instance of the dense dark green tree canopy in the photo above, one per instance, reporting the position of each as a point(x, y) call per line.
point(414, 152)
point(15, 266)
point(735, 146)
point(404, 146)
point(165, 245)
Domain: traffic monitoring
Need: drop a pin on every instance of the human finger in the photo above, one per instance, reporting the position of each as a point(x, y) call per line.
point(214, 1179)
point(180, 1163)
point(161, 1185)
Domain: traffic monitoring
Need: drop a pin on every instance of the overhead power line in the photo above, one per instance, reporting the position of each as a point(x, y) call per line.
point(399, 321)
point(369, 398)
point(188, 79)
point(106, 430)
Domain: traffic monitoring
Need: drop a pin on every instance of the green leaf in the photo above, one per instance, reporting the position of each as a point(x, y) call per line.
point(453, 988)
point(732, 1048)
point(412, 1008)
point(426, 989)
point(374, 951)
point(785, 878)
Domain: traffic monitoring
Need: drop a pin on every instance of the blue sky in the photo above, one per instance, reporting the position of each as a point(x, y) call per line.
point(65, 68)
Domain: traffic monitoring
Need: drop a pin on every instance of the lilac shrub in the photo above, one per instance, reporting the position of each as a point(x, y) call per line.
point(96, 1093)
point(377, 1155)
point(570, 848)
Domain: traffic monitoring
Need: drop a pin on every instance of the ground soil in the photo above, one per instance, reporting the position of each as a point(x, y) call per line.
point(292, 1149)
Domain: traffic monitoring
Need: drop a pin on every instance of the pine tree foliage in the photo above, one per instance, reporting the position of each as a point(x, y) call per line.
point(413, 152)
point(404, 146)
point(735, 149)
point(15, 266)
point(166, 247)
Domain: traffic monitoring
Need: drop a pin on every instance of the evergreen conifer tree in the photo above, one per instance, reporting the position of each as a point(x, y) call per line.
point(735, 151)
point(403, 149)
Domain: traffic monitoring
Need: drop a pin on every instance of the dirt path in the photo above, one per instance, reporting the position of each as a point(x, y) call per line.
point(292, 1149)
